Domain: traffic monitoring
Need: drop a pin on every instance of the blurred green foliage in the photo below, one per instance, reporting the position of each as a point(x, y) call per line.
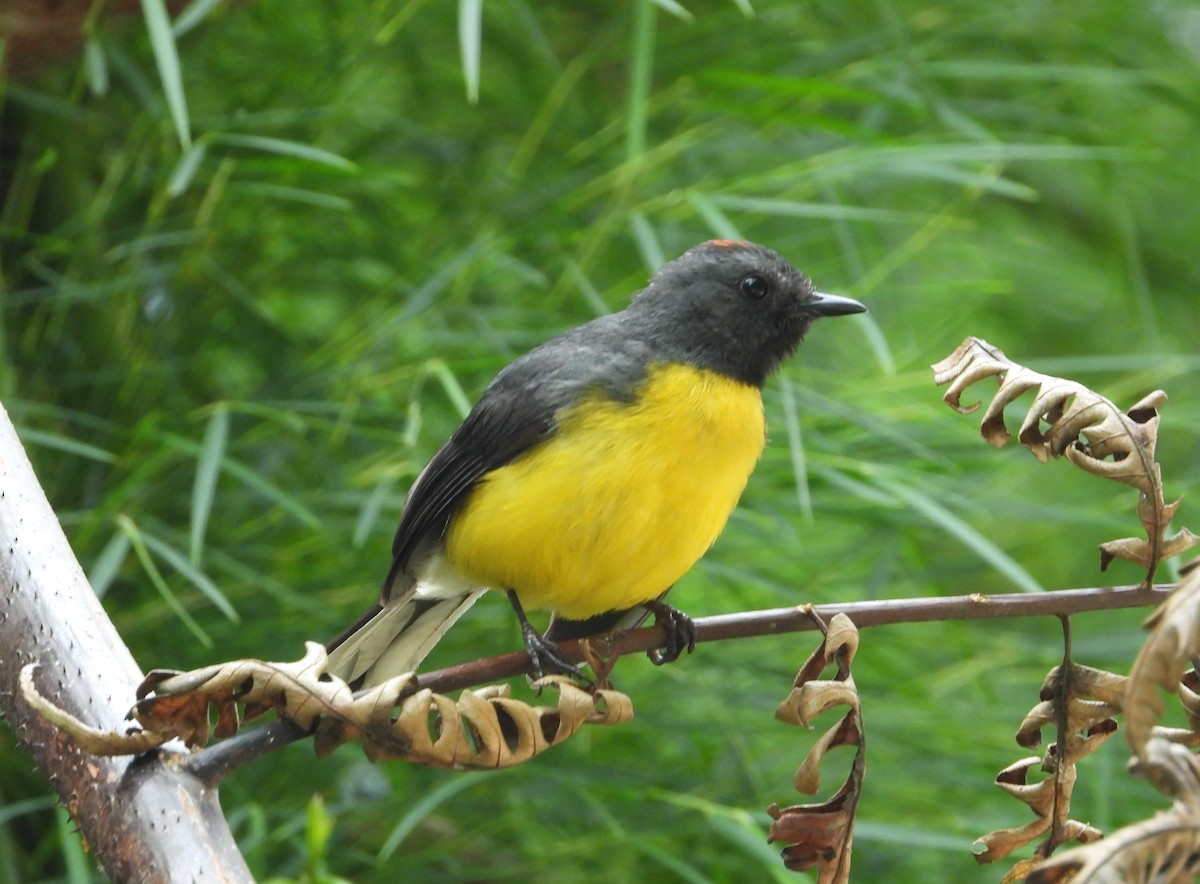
point(229, 359)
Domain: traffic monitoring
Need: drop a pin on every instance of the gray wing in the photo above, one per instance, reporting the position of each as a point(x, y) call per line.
point(517, 411)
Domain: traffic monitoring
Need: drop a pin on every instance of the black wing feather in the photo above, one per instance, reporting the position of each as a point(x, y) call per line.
point(494, 433)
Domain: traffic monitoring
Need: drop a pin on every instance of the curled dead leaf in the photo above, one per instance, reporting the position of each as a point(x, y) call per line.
point(1174, 642)
point(92, 740)
point(1189, 698)
point(847, 732)
point(821, 835)
point(1093, 698)
point(1071, 420)
point(1049, 799)
point(1163, 848)
point(484, 728)
point(1080, 702)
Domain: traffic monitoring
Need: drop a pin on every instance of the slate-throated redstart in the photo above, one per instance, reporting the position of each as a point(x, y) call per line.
point(596, 469)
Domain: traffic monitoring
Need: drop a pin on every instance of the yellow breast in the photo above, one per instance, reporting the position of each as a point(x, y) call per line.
point(620, 502)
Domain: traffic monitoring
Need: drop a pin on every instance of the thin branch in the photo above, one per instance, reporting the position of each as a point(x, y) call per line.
point(214, 763)
point(777, 621)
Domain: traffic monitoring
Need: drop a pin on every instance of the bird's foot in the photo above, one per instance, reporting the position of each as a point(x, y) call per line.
point(543, 653)
point(681, 632)
point(545, 659)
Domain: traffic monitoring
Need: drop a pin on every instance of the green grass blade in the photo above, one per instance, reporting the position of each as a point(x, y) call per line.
point(1040, 72)
point(791, 420)
point(393, 26)
point(196, 577)
point(368, 514)
point(740, 828)
point(647, 241)
point(296, 195)
point(95, 67)
point(192, 15)
point(30, 805)
point(425, 294)
point(587, 288)
point(267, 489)
point(718, 222)
point(675, 8)
point(964, 533)
point(641, 65)
point(421, 809)
point(911, 837)
point(204, 487)
point(744, 833)
point(104, 570)
point(138, 543)
point(75, 858)
point(185, 169)
point(852, 255)
point(285, 148)
point(855, 488)
point(797, 209)
point(63, 443)
point(252, 480)
point(667, 860)
point(162, 42)
point(877, 341)
point(449, 382)
point(470, 44)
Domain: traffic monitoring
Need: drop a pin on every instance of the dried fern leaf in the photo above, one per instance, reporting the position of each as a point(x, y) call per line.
point(1093, 698)
point(1174, 641)
point(90, 739)
point(1014, 780)
point(1080, 702)
point(821, 835)
point(1049, 799)
point(1165, 848)
point(1189, 699)
point(484, 728)
point(1083, 426)
point(1173, 768)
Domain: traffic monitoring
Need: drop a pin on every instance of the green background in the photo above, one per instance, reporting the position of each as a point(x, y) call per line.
point(294, 310)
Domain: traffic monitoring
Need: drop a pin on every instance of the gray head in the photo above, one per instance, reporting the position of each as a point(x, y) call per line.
point(734, 307)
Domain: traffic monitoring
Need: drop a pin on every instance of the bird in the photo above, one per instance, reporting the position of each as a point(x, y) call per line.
point(595, 470)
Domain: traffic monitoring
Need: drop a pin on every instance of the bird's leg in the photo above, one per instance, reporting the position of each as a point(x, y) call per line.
point(681, 632)
point(543, 653)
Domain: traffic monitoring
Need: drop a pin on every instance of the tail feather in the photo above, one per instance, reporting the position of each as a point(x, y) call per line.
point(393, 639)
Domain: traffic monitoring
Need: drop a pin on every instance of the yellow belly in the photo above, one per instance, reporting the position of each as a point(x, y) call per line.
point(620, 502)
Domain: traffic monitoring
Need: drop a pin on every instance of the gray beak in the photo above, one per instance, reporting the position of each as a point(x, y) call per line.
point(833, 305)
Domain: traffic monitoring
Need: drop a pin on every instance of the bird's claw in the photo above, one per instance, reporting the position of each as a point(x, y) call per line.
point(545, 660)
point(681, 633)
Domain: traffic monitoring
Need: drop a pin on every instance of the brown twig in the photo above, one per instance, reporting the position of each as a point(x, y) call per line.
point(211, 765)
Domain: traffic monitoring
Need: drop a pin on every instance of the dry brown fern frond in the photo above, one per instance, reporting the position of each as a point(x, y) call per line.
point(821, 835)
point(1071, 420)
point(1164, 849)
point(484, 728)
point(1173, 645)
point(1080, 703)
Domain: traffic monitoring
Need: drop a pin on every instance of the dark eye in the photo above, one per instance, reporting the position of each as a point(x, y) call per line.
point(754, 287)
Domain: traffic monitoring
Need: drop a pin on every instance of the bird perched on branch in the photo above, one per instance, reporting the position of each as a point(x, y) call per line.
point(596, 469)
